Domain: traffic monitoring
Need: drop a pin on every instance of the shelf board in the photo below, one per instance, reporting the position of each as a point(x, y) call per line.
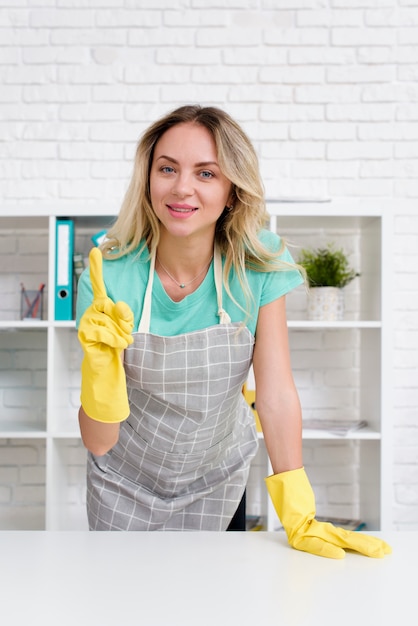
point(22, 430)
point(23, 324)
point(308, 324)
point(62, 208)
point(26, 431)
point(15, 325)
point(362, 434)
point(345, 210)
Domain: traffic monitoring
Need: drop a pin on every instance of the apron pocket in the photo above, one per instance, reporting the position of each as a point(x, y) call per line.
point(165, 473)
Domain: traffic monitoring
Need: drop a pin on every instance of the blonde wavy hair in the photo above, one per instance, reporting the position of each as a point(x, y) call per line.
point(237, 230)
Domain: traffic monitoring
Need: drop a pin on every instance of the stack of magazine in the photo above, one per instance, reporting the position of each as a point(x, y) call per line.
point(335, 427)
point(347, 524)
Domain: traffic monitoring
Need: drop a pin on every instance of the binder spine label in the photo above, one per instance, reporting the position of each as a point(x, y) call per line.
point(64, 239)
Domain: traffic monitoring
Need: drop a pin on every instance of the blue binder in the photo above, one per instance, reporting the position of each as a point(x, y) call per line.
point(64, 246)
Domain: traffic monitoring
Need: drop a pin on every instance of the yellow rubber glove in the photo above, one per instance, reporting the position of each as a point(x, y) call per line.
point(104, 332)
point(294, 501)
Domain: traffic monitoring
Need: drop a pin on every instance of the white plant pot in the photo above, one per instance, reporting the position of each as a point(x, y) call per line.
point(325, 304)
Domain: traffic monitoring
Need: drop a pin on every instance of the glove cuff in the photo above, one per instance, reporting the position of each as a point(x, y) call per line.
point(293, 499)
point(104, 400)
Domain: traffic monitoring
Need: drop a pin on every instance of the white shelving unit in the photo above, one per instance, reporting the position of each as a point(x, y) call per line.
point(40, 390)
point(40, 387)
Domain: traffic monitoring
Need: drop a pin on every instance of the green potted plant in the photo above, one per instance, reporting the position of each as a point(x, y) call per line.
point(328, 271)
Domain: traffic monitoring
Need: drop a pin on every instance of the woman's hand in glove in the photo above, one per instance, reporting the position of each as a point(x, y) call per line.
point(104, 332)
point(294, 501)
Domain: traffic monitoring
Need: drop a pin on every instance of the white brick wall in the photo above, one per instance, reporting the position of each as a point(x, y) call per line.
point(327, 89)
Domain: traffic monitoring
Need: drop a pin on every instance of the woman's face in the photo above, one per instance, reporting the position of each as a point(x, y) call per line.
point(188, 190)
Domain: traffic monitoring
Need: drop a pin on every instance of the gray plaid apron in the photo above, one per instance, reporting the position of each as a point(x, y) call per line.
point(184, 453)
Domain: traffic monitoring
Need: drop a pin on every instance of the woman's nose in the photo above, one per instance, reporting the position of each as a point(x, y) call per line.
point(183, 185)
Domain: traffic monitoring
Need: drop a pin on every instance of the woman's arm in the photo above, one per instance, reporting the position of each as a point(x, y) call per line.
point(277, 399)
point(104, 331)
point(98, 437)
point(279, 410)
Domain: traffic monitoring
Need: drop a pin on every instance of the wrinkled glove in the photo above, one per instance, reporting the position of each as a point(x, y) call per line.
point(294, 501)
point(104, 332)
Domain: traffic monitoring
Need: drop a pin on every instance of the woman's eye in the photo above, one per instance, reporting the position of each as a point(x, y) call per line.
point(206, 174)
point(167, 169)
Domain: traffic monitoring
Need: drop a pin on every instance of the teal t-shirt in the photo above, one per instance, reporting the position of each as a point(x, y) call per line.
point(126, 279)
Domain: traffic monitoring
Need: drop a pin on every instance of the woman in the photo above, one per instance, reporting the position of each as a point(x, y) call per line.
point(202, 285)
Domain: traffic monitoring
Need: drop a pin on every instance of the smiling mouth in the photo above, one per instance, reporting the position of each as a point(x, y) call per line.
point(181, 209)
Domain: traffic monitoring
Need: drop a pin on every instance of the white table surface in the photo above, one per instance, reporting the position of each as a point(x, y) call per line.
point(199, 579)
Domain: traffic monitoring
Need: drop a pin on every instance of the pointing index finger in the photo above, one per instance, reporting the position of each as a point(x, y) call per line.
point(96, 273)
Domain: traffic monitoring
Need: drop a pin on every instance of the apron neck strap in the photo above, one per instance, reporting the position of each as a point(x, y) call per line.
point(145, 321)
point(217, 265)
point(144, 324)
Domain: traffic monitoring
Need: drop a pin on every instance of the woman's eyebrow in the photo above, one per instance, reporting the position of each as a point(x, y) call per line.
point(200, 164)
point(167, 158)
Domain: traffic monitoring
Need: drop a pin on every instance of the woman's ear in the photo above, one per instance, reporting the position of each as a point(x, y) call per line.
point(231, 199)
